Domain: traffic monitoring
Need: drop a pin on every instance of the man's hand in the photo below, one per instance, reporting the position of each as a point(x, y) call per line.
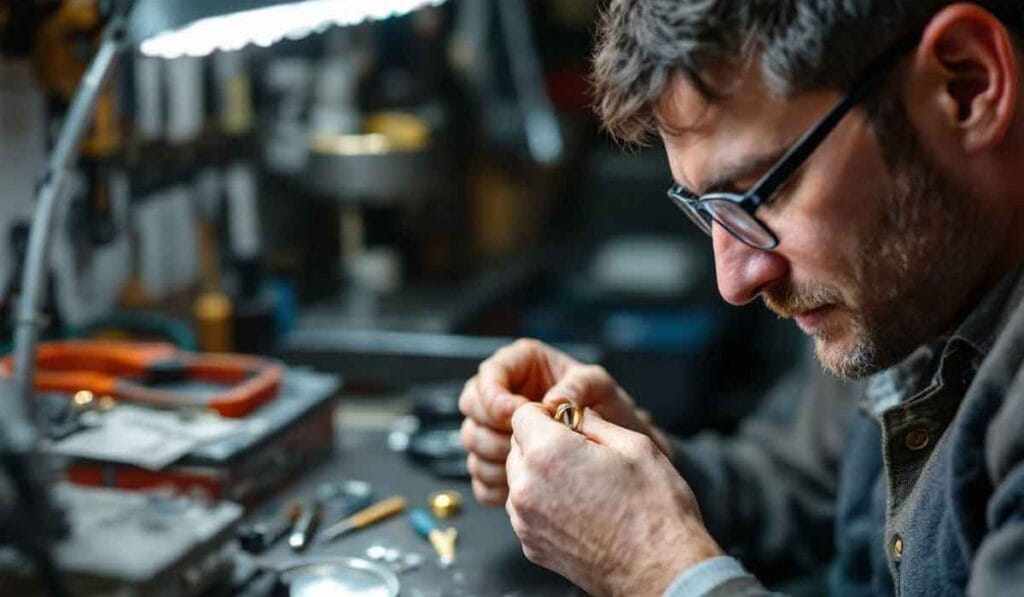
point(531, 371)
point(604, 509)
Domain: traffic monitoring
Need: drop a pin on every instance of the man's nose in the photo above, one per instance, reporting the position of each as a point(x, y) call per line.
point(743, 271)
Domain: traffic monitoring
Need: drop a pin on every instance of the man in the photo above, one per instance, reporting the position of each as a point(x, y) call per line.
point(859, 165)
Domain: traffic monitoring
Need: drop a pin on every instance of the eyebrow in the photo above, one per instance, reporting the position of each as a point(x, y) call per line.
point(726, 179)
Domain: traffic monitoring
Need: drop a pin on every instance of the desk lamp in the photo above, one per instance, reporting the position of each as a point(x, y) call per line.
point(160, 28)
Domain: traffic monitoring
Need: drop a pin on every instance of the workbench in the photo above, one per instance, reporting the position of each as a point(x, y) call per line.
point(489, 559)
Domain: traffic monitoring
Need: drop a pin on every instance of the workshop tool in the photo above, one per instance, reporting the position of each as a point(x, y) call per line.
point(126, 371)
point(260, 536)
point(569, 415)
point(305, 527)
point(442, 540)
point(445, 504)
point(375, 513)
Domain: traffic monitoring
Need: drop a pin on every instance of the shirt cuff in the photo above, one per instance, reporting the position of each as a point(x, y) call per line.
point(707, 576)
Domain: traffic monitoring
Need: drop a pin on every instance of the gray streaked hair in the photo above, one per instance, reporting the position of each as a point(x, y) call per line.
point(800, 45)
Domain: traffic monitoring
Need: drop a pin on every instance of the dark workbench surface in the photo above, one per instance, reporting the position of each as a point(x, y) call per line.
point(489, 559)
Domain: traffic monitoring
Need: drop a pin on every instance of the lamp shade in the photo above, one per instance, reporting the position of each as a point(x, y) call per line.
point(173, 28)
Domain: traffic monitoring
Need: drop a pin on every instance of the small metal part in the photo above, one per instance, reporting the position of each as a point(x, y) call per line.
point(569, 415)
point(305, 527)
point(445, 504)
point(413, 560)
point(376, 552)
point(83, 399)
point(444, 544)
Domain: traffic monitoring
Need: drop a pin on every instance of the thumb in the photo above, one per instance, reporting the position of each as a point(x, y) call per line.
point(600, 431)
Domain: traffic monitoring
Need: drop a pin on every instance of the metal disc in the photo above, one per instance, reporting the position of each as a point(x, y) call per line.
point(343, 577)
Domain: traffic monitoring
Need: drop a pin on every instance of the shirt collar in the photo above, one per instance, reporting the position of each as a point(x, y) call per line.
point(956, 358)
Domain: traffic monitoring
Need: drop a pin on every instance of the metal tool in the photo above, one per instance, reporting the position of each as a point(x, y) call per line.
point(123, 371)
point(375, 513)
point(305, 527)
point(260, 536)
point(442, 540)
point(569, 415)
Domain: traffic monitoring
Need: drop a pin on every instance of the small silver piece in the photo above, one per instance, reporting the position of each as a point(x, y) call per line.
point(376, 552)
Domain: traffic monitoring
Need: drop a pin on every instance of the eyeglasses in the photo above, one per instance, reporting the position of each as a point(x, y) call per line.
point(735, 211)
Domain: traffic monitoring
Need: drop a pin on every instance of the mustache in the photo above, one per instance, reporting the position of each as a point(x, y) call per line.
point(788, 300)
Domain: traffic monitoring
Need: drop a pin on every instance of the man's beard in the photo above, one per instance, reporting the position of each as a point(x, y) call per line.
point(911, 276)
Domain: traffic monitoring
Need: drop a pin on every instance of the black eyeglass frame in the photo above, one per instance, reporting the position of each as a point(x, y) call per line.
point(696, 208)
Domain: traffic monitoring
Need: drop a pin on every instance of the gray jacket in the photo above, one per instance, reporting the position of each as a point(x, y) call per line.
point(911, 483)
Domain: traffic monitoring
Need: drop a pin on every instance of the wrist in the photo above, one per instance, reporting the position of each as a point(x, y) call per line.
point(662, 565)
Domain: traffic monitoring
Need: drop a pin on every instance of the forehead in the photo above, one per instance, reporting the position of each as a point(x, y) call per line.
point(702, 135)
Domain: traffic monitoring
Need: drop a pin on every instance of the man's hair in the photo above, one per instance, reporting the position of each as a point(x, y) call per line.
point(799, 45)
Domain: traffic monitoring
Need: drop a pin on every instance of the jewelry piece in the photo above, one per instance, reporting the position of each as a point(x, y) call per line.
point(570, 415)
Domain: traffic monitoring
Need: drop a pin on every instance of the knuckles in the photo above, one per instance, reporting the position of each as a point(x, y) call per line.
point(466, 396)
point(466, 434)
point(527, 345)
point(638, 450)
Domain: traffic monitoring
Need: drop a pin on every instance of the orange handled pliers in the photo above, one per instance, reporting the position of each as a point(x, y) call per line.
point(128, 370)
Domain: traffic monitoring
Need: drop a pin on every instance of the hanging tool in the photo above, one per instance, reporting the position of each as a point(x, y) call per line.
point(124, 371)
point(442, 540)
point(375, 513)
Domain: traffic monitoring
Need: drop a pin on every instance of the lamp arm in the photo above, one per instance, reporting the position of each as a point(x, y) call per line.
point(21, 436)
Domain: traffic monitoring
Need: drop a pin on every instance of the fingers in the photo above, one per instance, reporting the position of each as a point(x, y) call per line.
point(629, 443)
point(544, 444)
point(486, 461)
point(491, 474)
point(588, 385)
point(484, 442)
point(490, 495)
point(488, 403)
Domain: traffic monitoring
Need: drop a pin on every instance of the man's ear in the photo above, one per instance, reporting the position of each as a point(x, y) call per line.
point(965, 72)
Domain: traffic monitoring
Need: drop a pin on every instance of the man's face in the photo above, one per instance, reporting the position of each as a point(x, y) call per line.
point(873, 258)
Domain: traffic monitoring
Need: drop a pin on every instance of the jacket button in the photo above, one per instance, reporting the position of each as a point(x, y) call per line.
point(897, 547)
point(916, 439)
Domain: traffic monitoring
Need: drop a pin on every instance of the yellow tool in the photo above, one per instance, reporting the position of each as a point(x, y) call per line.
point(375, 513)
point(443, 540)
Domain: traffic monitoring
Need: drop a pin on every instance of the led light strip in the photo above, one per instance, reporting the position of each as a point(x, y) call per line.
point(266, 26)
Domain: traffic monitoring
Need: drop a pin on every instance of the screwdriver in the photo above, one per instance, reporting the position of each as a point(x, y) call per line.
point(377, 512)
point(443, 540)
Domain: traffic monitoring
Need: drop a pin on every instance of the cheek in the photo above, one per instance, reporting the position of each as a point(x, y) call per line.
point(836, 208)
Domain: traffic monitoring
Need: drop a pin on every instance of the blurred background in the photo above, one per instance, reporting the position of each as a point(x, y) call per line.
point(389, 202)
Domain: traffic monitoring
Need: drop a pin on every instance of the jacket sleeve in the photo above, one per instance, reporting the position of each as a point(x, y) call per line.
point(768, 493)
point(998, 565)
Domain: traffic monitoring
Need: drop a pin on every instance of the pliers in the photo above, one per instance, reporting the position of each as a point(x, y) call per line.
point(127, 370)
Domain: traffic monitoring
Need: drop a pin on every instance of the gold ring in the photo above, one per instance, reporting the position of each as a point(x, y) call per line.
point(570, 415)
